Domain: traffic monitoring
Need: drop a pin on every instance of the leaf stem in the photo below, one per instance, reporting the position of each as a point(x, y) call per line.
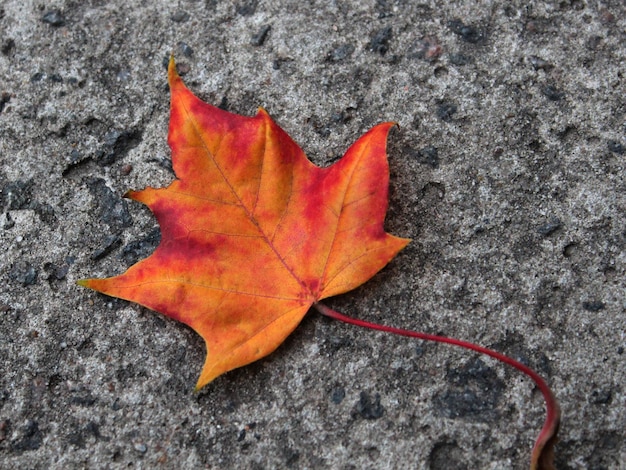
point(542, 453)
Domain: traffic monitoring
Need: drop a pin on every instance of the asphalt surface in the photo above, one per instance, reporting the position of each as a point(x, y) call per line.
point(506, 171)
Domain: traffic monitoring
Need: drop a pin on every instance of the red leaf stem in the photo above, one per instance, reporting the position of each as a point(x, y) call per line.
point(542, 454)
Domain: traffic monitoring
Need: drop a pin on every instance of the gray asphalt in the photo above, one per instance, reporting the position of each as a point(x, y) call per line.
point(507, 171)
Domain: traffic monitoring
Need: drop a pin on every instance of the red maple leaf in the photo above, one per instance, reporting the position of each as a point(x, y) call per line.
point(254, 234)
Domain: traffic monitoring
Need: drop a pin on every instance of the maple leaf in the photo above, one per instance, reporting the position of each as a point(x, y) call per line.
point(253, 233)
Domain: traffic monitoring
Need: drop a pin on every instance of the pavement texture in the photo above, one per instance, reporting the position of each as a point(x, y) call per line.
point(506, 171)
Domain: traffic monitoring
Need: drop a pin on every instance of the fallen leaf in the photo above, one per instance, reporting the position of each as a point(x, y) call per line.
point(253, 233)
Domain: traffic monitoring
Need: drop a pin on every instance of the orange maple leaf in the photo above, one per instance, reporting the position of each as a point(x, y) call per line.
point(253, 233)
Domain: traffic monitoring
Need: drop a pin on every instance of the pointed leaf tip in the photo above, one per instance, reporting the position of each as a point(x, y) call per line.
point(172, 73)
